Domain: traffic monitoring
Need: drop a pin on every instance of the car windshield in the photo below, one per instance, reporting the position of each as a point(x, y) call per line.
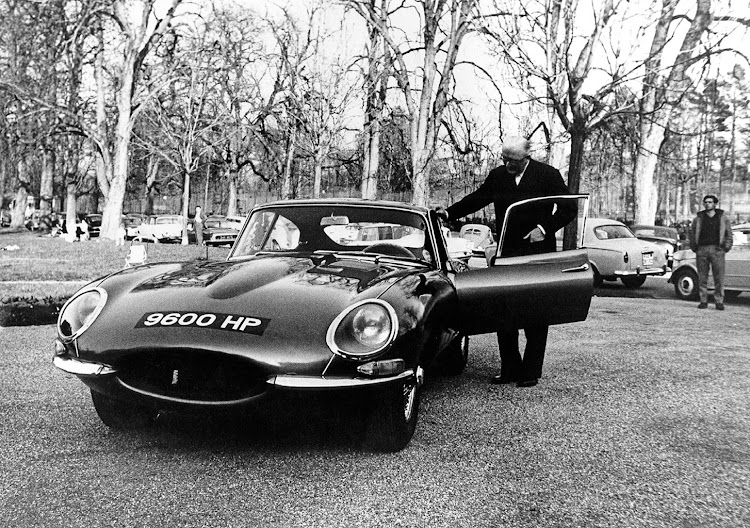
point(606, 232)
point(335, 228)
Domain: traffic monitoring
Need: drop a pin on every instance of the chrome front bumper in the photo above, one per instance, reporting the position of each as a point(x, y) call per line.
point(82, 368)
point(314, 382)
point(87, 368)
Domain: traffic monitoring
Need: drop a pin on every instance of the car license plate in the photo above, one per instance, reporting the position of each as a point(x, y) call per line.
point(648, 259)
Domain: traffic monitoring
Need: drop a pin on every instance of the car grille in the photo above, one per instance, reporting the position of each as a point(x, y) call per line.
point(195, 376)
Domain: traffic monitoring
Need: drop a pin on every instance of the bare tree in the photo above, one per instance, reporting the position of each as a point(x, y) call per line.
point(139, 28)
point(426, 91)
point(376, 88)
point(184, 119)
point(540, 40)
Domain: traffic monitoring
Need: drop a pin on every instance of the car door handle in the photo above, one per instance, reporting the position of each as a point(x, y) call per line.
point(582, 267)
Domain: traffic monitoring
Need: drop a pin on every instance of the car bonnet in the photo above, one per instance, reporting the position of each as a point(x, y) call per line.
point(274, 307)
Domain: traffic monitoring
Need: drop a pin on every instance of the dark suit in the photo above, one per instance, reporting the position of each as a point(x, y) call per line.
point(500, 189)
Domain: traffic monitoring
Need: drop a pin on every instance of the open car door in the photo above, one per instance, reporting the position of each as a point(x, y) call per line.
point(519, 291)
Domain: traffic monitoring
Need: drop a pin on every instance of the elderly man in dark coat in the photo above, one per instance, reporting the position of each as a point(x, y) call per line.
point(530, 232)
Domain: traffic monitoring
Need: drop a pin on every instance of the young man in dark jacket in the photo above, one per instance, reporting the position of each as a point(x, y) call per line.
point(711, 238)
point(533, 231)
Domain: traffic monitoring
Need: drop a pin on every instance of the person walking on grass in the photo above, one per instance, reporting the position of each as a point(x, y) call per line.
point(710, 239)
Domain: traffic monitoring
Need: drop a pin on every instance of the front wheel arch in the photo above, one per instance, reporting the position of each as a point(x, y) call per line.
point(598, 279)
point(392, 419)
point(686, 284)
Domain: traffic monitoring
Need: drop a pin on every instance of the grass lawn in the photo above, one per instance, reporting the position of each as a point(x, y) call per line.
point(68, 265)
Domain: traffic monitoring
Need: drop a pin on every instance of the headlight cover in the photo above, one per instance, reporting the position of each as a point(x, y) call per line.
point(363, 330)
point(79, 312)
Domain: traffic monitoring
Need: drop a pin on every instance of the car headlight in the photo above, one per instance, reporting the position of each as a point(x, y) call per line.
point(79, 312)
point(363, 330)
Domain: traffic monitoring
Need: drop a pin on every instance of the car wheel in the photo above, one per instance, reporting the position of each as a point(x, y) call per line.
point(686, 285)
point(393, 418)
point(455, 356)
point(598, 280)
point(634, 281)
point(121, 415)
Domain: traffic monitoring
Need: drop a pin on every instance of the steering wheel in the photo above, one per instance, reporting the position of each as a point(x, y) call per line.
point(388, 248)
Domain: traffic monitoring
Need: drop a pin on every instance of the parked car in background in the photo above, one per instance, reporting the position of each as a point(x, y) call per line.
point(95, 224)
point(666, 237)
point(131, 221)
point(459, 248)
point(214, 234)
point(233, 221)
point(616, 253)
point(737, 276)
point(361, 323)
point(161, 228)
point(480, 235)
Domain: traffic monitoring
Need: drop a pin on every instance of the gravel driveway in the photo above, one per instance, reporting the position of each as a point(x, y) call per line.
point(641, 419)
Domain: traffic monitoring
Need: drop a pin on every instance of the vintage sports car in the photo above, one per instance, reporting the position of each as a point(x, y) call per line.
point(666, 237)
point(615, 253)
point(318, 311)
point(737, 272)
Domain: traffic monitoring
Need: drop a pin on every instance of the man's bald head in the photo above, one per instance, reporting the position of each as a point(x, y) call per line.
point(516, 147)
point(516, 154)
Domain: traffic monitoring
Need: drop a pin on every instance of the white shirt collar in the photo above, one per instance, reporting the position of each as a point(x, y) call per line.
point(520, 175)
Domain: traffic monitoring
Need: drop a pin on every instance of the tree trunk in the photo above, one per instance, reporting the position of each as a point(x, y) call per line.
point(232, 178)
point(18, 214)
point(660, 93)
point(421, 179)
point(139, 37)
point(205, 190)
point(185, 208)
point(645, 172)
point(71, 218)
point(46, 187)
point(371, 165)
point(287, 192)
point(318, 174)
point(577, 143)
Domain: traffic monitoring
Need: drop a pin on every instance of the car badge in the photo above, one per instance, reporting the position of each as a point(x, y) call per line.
point(175, 377)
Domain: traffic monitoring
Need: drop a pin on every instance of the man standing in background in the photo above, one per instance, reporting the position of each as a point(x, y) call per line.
point(711, 239)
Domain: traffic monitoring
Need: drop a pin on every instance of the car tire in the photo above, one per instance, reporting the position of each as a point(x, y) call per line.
point(686, 285)
point(598, 280)
point(454, 358)
point(117, 414)
point(636, 281)
point(392, 420)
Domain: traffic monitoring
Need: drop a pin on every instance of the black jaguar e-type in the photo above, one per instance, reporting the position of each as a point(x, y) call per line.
point(316, 295)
